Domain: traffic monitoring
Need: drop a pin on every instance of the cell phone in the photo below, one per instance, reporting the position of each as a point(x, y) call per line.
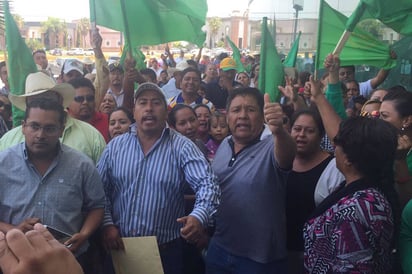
point(61, 236)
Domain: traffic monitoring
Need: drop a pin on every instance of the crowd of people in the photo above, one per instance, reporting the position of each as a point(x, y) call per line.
point(190, 151)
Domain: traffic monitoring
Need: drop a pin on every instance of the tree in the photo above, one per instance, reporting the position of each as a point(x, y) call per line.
point(373, 26)
point(214, 25)
point(53, 28)
point(34, 44)
point(83, 27)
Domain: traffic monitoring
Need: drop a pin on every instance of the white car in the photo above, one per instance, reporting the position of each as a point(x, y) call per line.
point(89, 52)
point(75, 51)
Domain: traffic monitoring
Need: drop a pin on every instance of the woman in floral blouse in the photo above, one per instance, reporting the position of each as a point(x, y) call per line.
point(352, 230)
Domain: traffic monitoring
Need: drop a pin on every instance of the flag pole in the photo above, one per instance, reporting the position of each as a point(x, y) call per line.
point(261, 80)
point(317, 59)
point(126, 28)
point(342, 41)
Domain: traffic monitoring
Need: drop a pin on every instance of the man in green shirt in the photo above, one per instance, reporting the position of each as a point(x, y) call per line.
point(77, 134)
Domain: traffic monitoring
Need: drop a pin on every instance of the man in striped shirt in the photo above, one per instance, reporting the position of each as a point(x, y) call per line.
point(144, 172)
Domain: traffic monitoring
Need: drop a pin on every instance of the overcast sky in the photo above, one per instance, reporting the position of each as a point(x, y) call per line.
point(39, 10)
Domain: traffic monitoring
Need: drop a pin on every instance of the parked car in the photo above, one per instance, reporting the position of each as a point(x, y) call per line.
point(113, 59)
point(89, 52)
point(56, 51)
point(75, 51)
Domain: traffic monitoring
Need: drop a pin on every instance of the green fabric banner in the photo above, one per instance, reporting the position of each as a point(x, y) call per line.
point(236, 56)
point(402, 73)
point(271, 74)
point(396, 14)
point(361, 48)
point(153, 22)
point(20, 61)
point(290, 60)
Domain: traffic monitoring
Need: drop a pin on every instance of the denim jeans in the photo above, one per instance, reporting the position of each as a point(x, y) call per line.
point(219, 261)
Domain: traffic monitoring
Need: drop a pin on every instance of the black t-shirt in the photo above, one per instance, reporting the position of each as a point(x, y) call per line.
point(300, 202)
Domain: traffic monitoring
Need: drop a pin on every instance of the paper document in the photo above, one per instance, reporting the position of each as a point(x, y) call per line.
point(141, 256)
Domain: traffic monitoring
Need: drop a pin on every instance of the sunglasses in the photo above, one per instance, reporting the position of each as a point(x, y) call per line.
point(81, 99)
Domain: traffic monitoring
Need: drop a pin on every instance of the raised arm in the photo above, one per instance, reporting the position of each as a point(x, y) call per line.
point(285, 146)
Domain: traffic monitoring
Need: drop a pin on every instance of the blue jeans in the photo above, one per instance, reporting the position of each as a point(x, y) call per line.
point(219, 261)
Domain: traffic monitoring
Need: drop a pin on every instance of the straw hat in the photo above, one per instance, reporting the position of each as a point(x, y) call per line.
point(38, 83)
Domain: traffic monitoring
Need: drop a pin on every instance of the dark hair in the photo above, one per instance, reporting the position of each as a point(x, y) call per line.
point(191, 63)
point(39, 51)
point(370, 145)
point(190, 69)
point(82, 82)
point(128, 113)
point(247, 91)
point(359, 100)
point(171, 117)
point(252, 72)
point(202, 106)
point(402, 101)
point(397, 87)
point(351, 67)
point(352, 81)
point(314, 113)
point(151, 73)
point(46, 104)
point(2, 64)
point(304, 77)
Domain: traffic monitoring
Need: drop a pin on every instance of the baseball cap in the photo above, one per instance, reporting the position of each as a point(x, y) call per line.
point(227, 64)
point(179, 67)
point(72, 64)
point(149, 86)
point(116, 66)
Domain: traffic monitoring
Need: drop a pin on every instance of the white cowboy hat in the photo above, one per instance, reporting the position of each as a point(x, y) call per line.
point(38, 83)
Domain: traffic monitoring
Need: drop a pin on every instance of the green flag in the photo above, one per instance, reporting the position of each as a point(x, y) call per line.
point(20, 61)
point(361, 47)
point(290, 60)
point(271, 73)
point(137, 55)
point(236, 56)
point(153, 22)
point(396, 14)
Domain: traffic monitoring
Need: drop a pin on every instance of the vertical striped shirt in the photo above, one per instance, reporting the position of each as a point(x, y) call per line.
point(145, 193)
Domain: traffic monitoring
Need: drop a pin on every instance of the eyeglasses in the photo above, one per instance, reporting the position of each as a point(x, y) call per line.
point(81, 99)
point(48, 130)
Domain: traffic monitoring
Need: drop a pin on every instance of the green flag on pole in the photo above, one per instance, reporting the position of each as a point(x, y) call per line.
point(396, 14)
point(271, 73)
point(20, 61)
point(153, 22)
point(360, 48)
point(236, 55)
point(290, 60)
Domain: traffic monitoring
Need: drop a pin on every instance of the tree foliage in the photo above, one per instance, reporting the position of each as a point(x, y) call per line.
point(373, 26)
point(214, 25)
point(52, 29)
point(83, 27)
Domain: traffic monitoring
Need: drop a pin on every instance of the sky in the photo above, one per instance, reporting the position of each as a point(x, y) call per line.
point(39, 10)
